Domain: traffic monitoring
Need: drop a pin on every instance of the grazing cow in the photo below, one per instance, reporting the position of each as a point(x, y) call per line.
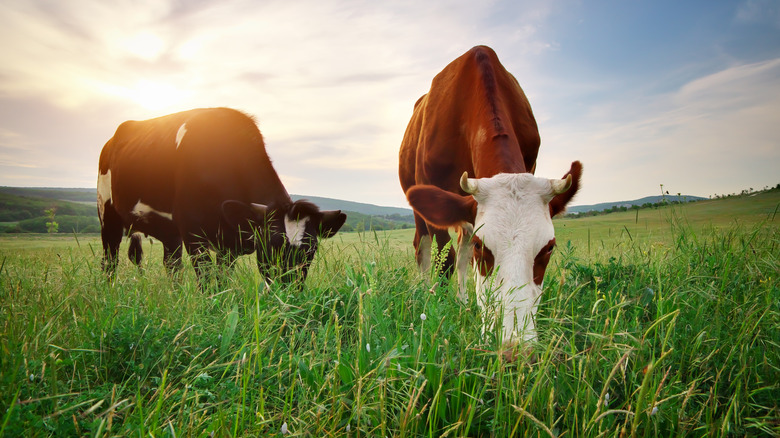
point(203, 177)
point(467, 162)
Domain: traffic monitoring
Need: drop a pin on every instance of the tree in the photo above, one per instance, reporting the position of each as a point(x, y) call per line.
point(51, 226)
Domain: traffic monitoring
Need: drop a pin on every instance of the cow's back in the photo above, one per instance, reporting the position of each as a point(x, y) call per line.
point(475, 118)
point(139, 161)
point(182, 167)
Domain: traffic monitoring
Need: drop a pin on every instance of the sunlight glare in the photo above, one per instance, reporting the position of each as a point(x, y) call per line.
point(145, 45)
point(156, 95)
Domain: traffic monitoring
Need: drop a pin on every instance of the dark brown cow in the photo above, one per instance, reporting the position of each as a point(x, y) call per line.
point(203, 178)
point(467, 162)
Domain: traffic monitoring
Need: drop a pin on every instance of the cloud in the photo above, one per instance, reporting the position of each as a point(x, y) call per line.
point(759, 11)
point(717, 133)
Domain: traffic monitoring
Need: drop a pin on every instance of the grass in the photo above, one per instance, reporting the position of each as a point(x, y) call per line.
point(667, 331)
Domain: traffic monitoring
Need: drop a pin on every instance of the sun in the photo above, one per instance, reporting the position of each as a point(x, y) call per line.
point(144, 45)
point(155, 96)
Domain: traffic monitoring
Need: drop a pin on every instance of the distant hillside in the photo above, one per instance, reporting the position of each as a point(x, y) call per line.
point(22, 210)
point(90, 195)
point(641, 201)
point(367, 209)
point(15, 208)
point(75, 195)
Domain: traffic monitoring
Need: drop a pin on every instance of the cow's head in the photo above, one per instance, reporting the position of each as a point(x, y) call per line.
point(509, 221)
point(285, 237)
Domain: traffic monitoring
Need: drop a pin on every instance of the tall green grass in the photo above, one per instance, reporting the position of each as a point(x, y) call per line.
point(636, 338)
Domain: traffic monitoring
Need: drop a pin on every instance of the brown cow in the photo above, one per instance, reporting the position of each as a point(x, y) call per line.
point(467, 162)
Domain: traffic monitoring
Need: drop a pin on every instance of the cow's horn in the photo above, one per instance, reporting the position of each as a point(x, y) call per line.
point(468, 185)
point(560, 185)
point(259, 210)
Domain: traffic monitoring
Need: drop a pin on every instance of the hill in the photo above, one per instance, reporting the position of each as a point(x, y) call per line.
point(15, 208)
point(628, 204)
point(22, 209)
point(606, 231)
point(367, 209)
point(89, 195)
point(63, 194)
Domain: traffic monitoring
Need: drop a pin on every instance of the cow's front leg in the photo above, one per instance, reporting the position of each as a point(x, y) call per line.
point(172, 257)
point(422, 245)
point(135, 251)
point(465, 253)
point(199, 256)
point(111, 233)
point(225, 261)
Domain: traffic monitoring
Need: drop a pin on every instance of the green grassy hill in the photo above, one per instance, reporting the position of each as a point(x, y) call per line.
point(27, 214)
point(655, 223)
point(56, 193)
point(22, 211)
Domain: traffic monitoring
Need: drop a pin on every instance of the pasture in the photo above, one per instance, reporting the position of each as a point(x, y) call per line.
point(664, 322)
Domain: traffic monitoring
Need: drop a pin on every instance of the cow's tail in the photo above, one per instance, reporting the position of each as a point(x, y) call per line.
point(135, 252)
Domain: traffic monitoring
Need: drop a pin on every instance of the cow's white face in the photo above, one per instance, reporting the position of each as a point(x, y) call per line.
point(512, 240)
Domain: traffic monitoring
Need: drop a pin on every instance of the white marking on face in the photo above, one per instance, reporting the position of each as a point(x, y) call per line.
point(513, 221)
point(295, 230)
point(180, 134)
point(103, 193)
point(142, 211)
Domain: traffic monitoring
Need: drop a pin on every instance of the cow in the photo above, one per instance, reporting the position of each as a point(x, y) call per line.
point(202, 179)
point(467, 161)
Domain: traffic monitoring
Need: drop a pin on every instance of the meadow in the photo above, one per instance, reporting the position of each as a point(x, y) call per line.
point(661, 322)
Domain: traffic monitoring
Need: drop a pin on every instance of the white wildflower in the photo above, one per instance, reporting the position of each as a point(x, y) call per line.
point(349, 427)
point(423, 316)
point(606, 399)
point(654, 410)
point(368, 348)
point(285, 431)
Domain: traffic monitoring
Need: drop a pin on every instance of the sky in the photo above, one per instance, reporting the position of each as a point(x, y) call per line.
point(644, 93)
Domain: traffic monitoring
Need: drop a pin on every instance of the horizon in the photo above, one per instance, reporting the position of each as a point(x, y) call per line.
point(569, 207)
point(684, 95)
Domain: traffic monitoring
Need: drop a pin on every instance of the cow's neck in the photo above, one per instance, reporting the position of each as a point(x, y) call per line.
point(269, 189)
point(501, 154)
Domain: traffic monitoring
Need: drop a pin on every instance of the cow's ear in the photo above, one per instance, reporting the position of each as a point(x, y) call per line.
point(558, 203)
point(440, 207)
point(243, 217)
point(331, 223)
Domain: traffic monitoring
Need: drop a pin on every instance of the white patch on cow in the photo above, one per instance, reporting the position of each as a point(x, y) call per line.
point(513, 221)
point(103, 193)
point(180, 134)
point(295, 230)
point(142, 211)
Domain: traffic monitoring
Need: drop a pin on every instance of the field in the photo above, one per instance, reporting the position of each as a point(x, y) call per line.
point(662, 322)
